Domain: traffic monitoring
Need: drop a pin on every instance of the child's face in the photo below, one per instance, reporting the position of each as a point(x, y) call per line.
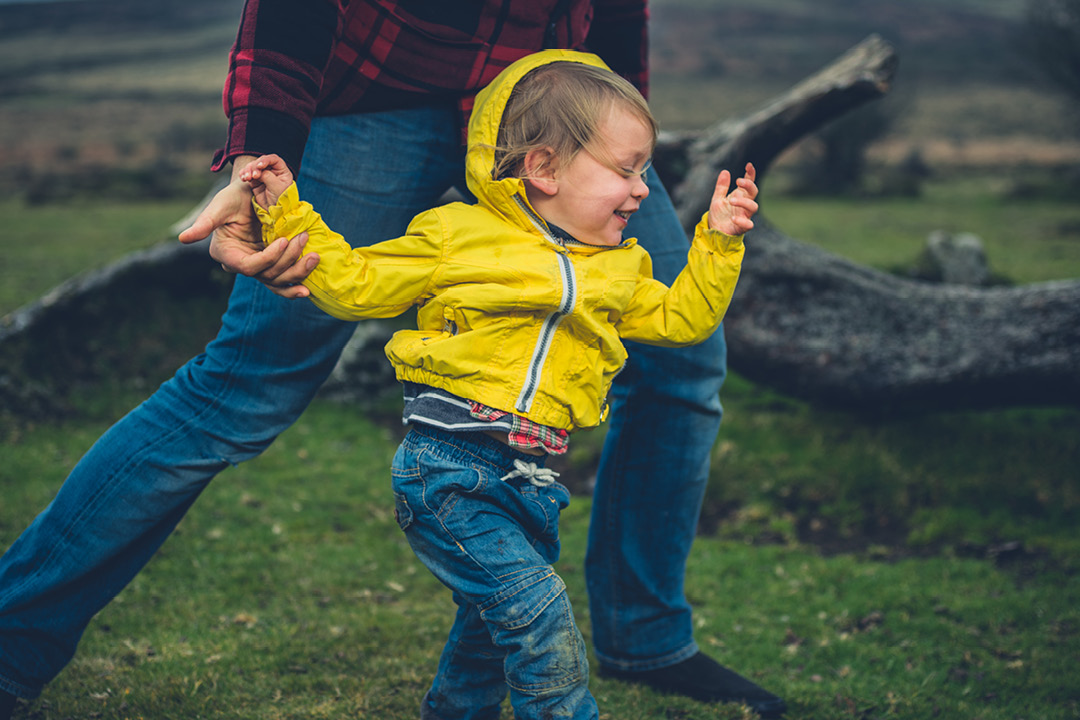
point(597, 195)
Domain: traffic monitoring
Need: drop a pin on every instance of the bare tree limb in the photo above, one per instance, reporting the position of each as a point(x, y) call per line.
point(863, 73)
point(825, 329)
point(828, 330)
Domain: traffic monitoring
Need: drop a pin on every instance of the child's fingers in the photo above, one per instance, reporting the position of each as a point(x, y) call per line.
point(742, 222)
point(251, 172)
point(723, 184)
point(747, 187)
point(746, 203)
point(746, 182)
point(270, 162)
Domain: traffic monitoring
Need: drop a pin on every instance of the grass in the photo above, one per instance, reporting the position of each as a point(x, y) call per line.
point(895, 568)
point(900, 568)
point(288, 592)
point(1026, 240)
point(960, 482)
point(51, 243)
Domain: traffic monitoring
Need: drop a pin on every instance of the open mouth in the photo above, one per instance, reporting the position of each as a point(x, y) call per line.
point(624, 214)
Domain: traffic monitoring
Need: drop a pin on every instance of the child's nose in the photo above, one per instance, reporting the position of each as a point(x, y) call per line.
point(641, 190)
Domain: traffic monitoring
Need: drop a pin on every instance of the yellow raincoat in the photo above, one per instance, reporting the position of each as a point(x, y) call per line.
point(508, 315)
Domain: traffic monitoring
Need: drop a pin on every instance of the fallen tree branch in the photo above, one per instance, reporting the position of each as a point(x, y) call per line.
point(822, 328)
point(825, 329)
point(862, 74)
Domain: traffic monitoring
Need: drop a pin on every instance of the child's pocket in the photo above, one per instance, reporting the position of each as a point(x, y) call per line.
point(402, 512)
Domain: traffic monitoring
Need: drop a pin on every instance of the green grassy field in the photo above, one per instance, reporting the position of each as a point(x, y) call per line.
point(896, 568)
point(1026, 239)
point(288, 592)
point(47, 244)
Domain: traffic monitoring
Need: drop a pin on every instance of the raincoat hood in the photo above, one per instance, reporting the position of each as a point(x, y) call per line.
point(486, 119)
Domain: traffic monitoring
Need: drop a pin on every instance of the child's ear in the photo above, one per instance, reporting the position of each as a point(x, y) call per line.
point(540, 167)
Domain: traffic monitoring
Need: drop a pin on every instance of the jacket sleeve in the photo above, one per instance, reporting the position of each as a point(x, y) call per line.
point(275, 74)
point(690, 310)
point(378, 281)
point(619, 34)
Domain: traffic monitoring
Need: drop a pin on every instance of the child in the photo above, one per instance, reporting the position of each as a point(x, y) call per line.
point(523, 299)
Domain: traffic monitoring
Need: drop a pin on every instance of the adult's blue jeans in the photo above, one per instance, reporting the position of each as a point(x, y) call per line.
point(368, 175)
point(492, 537)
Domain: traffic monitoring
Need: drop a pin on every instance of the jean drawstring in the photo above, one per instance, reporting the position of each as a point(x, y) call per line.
point(538, 476)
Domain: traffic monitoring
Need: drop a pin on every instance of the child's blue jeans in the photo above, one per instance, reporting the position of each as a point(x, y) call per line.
point(492, 541)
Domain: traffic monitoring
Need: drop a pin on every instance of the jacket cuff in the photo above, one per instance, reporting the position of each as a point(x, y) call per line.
point(260, 131)
point(288, 217)
point(715, 240)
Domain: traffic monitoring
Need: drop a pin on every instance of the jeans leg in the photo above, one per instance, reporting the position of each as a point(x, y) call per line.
point(493, 542)
point(469, 659)
point(271, 355)
point(128, 492)
point(651, 481)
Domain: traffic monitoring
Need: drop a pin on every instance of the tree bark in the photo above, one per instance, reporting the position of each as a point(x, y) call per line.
point(863, 73)
point(828, 330)
point(822, 328)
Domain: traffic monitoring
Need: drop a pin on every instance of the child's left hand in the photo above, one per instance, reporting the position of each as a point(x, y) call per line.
point(269, 177)
point(731, 213)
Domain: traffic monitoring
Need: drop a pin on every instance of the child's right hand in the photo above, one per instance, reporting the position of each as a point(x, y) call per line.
point(268, 177)
point(732, 213)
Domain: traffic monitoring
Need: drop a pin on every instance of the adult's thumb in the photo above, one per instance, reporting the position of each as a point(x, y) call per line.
point(201, 228)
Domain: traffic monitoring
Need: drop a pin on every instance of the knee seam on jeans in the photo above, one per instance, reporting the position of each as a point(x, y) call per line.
point(531, 610)
point(573, 671)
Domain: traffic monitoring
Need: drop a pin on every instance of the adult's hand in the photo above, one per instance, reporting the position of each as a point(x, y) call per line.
point(235, 242)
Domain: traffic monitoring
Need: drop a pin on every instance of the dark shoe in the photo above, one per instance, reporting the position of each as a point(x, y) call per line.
point(702, 678)
point(7, 705)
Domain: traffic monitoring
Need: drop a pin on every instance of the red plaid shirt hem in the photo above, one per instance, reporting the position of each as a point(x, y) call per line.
point(524, 433)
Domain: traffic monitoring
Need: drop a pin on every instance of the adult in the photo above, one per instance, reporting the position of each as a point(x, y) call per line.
point(366, 100)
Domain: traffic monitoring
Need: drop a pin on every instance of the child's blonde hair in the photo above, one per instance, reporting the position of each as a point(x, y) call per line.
point(562, 106)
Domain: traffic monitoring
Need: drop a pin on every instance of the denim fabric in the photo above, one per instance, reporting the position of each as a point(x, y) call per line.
point(129, 491)
point(665, 414)
point(492, 542)
point(368, 175)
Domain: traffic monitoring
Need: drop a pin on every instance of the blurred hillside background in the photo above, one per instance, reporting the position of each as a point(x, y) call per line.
point(117, 102)
point(98, 93)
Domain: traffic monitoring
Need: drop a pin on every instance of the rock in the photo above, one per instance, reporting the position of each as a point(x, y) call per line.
point(954, 259)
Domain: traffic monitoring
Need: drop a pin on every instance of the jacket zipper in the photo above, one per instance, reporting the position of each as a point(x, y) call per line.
point(551, 322)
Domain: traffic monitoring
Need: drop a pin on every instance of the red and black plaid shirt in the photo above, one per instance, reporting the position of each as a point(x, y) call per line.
point(295, 59)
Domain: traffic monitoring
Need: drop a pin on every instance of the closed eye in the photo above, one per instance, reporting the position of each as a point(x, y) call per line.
point(632, 172)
